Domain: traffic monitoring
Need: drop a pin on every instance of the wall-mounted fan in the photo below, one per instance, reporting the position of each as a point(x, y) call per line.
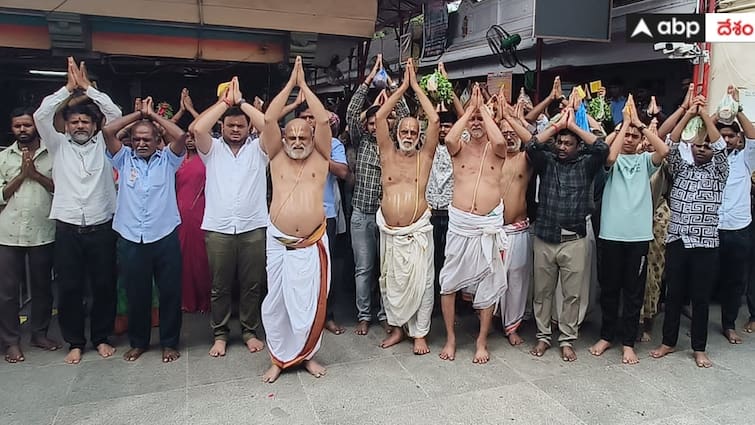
point(504, 45)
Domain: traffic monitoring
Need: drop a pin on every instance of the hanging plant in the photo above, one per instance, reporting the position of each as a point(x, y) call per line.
point(437, 87)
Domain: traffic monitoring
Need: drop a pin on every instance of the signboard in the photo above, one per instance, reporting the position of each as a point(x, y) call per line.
point(496, 80)
point(434, 29)
point(573, 20)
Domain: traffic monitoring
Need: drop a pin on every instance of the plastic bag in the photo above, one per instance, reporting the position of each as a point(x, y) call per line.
point(694, 128)
point(580, 117)
point(381, 79)
point(727, 109)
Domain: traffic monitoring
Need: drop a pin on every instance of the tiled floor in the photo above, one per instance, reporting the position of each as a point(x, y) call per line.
point(368, 385)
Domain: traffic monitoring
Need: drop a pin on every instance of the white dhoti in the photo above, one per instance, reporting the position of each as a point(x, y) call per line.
point(475, 250)
point(519, 275)
point(298, 280)
point(406, 274)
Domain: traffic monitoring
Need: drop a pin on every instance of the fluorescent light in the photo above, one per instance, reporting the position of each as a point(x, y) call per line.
point(48, 73)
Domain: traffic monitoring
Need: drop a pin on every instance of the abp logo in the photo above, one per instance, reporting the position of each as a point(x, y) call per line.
point(665, 28)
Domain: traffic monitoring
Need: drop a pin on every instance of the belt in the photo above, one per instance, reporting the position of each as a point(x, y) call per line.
point(569, 238)
point(84, 229)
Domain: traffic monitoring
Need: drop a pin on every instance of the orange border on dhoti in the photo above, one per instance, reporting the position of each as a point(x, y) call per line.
point(319, 323)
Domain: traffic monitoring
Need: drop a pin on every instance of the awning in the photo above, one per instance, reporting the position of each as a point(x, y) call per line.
point(338, 17)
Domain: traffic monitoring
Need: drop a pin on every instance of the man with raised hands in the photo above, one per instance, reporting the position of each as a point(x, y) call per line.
point(476, 242)
point(235, 213)
point(83, 207)
point(298, 261)
point(406, 235)
point(146, 219)
point(566, 169)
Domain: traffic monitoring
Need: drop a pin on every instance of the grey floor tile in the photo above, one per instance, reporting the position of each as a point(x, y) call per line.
point(238, 363)
point(691, 418)
point(251, 401)
point(32, 395)
point(440, 378)
point(519, 403)
point(350, 347)
point(115, 377)
point(551, 364)
point(360, 387)
point(737, 358)
point(423, 412)
point(734, 412)
point(164, 408)
point(677, 376)
point(610, 397)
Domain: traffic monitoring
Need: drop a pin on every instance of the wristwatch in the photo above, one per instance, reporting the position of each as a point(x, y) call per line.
point(643, 128)
point(242, 101)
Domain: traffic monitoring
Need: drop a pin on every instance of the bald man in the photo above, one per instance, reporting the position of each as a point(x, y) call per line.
point(298, 262)
point(406, 235)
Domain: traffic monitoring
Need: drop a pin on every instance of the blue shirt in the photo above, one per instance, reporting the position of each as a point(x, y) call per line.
point(337, 154)
point(617, 105)
point(146, 210)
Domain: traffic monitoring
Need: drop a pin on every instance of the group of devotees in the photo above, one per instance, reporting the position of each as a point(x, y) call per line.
point(481, 158)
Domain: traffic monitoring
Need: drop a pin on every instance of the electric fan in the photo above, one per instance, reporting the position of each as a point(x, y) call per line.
point(504, 46)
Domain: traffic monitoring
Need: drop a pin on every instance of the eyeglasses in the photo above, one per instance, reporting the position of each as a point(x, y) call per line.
point(307, 117)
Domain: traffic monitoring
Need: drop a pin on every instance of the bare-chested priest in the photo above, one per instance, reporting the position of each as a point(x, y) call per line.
point(298, 262)
point(476, 242)
point(406, 235)
point(515, 177)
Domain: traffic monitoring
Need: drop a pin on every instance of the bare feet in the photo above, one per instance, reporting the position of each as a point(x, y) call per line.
point(133, 354)
point(363, 327)
point(394, 337)
point(106, 350)
point(750, 327)
point(515, 339)
point(334, 327)
point(13, 354)
point(272, 374)
point(218, 348)
point(702, 359)
point(661, 351)
point(449, 351)
point(420, 346)
point(732, 336)
point(629, 356)
point(644, 337)
point(73, 356)
point(540, 349)
point(481, 355)
point(170, 354)
point(45, 343)
point(600, 347)
point(254, 345)
point(386, 327)
point(568, 354)
point(315, 369)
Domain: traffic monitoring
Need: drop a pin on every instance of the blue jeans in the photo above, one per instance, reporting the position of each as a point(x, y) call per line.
point(364, 243)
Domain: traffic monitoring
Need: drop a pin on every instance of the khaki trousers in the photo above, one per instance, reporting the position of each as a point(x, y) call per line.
point(236, 257)
point(570, 261)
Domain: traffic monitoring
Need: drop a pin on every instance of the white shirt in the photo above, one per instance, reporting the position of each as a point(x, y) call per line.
point(734, 213)
point(235, 188)
point(84, 184)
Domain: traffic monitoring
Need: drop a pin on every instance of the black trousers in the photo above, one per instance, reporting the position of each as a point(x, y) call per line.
point(689, 272)
point(140, 264)
point(85, 255)
point(335, 275)
point(734, 252)
point(439, 220)
point(622, 277)
point(751, 275)
point(12, 274)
